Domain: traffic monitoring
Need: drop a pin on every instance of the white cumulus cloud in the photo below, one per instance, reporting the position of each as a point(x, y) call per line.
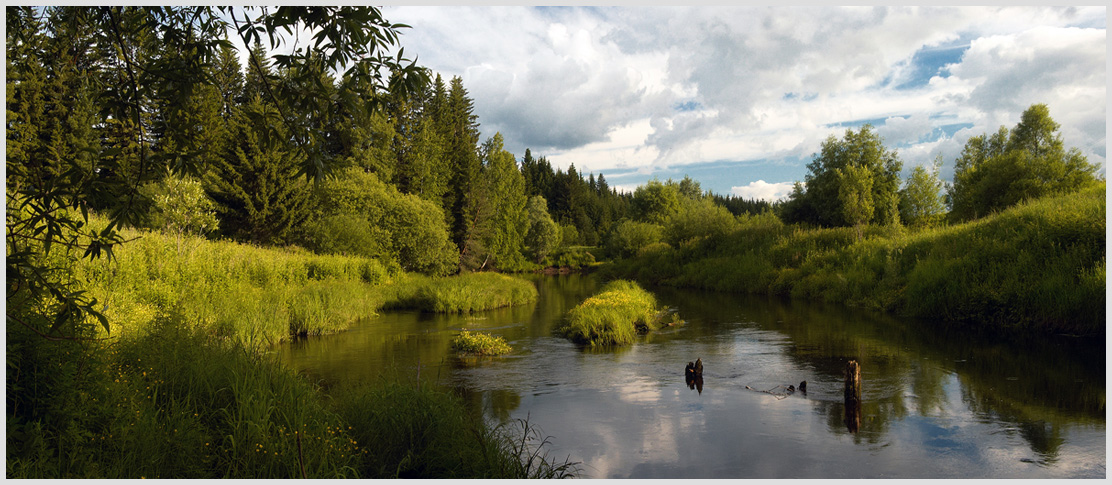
point(762, 190)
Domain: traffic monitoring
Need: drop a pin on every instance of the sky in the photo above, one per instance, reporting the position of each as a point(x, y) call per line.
point(741, 98)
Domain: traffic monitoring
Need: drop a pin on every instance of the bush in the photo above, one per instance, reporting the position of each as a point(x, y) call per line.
point(360, 215)
point(180, 206)
point(628, 237)
point(699, 219)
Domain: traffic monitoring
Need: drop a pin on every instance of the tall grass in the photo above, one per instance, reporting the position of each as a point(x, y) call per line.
point(181, 390)
point(612, 317)
point(232, 291)
point(465, 293)
point(1039, 265)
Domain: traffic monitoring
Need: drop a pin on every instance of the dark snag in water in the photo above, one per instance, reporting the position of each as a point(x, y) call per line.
point(853, 396)
point(803, 387)
point(693, 375)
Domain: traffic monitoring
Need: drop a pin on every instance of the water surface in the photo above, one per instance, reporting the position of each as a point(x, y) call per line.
point(936, 404)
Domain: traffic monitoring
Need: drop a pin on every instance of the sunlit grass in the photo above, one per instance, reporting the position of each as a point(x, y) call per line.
point(614, 316)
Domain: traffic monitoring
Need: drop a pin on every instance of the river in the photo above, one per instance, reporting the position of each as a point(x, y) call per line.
point(935, 403)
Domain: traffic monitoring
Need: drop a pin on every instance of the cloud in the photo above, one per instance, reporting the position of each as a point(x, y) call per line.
point(762, 190)
point(652, 88)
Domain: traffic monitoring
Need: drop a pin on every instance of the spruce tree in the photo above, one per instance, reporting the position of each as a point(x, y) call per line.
point(261, 199)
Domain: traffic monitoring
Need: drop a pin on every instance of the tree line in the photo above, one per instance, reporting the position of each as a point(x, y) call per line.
point(147, 115)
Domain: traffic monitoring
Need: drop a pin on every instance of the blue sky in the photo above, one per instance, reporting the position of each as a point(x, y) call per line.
point(740, 98)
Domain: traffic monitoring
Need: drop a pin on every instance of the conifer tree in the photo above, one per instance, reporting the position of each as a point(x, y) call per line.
point(255, 184)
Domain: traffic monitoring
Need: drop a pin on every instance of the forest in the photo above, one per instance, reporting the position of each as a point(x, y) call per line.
point(130, 128)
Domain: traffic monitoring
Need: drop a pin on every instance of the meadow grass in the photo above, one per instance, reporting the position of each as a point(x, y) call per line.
point(614, 316)
point(1039, 265)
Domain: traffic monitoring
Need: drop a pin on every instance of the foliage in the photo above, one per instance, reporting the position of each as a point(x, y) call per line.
point(543, 235)
point(358, 214)
point(506, 193)
point(614, 316)
point(136, 80)
point(180, 206)
point(698, 219)
point(855, 192)
point(655, 202)
point(921, 198)
point(1037, 266)
point(818, 201)
point(480, 344)
point(1009, 167)
point(628, 237)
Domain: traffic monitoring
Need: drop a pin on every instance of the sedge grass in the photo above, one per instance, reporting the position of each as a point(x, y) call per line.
point(479, 343)
point(612, 317)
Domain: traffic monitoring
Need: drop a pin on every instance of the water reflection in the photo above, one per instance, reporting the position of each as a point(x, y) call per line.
point(933, 403)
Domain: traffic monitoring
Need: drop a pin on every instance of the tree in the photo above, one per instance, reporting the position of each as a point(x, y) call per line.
point(127, 47)
point(261, 198)
point(543, 235)
point(855, 192)
point(921, 198)
point(655, 202)
point(820, 203)
point(358, 214)
point(461, 134)
point(1027, 162)
point(505, 192)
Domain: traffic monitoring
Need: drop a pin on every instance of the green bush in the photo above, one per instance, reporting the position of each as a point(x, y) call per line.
point(180, 206)
point(357, 214)
point(628, 237)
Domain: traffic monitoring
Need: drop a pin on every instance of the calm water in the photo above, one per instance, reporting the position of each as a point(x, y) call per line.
point(934, 405)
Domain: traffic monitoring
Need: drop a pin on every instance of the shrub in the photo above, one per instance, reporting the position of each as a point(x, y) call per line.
point(628, 237)
point(180, 206)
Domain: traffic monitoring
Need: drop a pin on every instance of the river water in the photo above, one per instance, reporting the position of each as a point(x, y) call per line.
point(935, 404)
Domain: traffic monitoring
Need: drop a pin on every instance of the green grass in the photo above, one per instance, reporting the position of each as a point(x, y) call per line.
point(1037, 266)
point(480, 344)
point(612, 317)
point(465, 293)
point(182, 387)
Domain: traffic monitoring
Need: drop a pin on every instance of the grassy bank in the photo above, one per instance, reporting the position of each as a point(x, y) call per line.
point(1038, 266)
point(181, 390)
point(465, 293)
point(612, 317)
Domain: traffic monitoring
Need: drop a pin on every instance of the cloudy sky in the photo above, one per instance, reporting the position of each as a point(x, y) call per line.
point(740, 98)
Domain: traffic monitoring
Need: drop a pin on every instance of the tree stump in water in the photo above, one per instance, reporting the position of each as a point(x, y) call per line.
point(853, 396)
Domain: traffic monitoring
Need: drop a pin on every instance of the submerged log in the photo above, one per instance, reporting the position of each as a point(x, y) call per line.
point(853, 396)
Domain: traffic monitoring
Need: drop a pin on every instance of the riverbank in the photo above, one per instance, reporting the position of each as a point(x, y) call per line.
point(1038, 266)
point(183, 387)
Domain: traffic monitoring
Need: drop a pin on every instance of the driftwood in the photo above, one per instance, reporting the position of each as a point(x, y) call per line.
point(693, 375)
point(781, 392)
point(853, 396)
